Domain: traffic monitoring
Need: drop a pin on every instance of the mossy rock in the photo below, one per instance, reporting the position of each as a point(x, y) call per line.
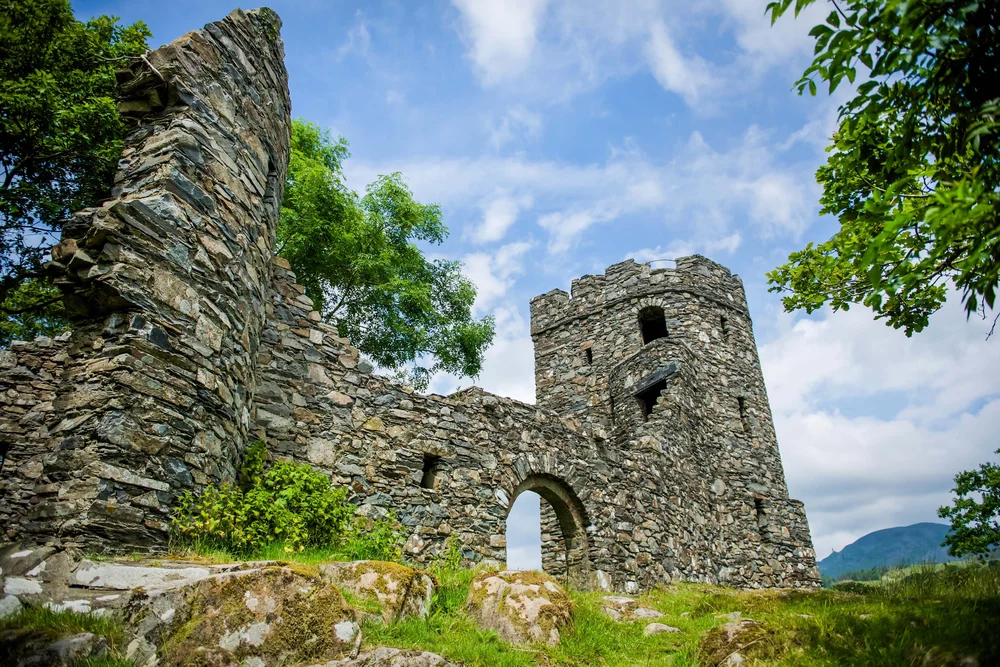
point(748, 638)
point(274, 614)
point(393, 657)
point(399, 591)
point(522, 607)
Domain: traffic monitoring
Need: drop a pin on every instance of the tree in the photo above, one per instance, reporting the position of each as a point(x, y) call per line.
point(360, 264)
point(914, 168)
point(60, 139)
point(975, 525)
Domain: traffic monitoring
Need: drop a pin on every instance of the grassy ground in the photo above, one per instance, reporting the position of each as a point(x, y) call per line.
point(954, 613)
point(31, 628)
point(950, 612)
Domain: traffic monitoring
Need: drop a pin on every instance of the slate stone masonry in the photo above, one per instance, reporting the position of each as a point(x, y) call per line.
point(651, 440)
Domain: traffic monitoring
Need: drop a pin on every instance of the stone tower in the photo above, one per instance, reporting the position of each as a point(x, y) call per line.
point(662, 364)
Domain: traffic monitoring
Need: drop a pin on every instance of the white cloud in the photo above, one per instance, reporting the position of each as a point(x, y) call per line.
point(564, 227)
point(763, 46)
point(494, 274)
point(675, 249)
point(701, 192)
point(690, 76)
point(358, 39)
point(501, 35)
point(393, 97)
point(516, 123)
point(499, 214)
point(874, 425)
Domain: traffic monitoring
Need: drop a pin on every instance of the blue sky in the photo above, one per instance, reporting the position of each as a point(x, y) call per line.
point(562, 136)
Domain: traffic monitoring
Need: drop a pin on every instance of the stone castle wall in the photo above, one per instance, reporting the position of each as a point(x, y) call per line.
point(192, 340)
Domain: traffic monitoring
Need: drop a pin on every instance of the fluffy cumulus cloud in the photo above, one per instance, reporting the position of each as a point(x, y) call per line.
point(499, 214)
point(501, 35)
point(872, 425)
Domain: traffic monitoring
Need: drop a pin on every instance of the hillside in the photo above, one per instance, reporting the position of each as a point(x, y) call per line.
point(902, 545)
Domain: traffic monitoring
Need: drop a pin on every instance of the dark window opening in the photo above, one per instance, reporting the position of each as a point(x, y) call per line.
point(4, 448)
point(725, 327)
point(743, 414)
point(652, 323)
point(589, 354)
point(432, 472)
point(648, 398)
point(758, 507)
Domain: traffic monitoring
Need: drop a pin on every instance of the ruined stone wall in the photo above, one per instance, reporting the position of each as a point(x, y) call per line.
point(619, 513)
point(167, 283)
point(192, 340)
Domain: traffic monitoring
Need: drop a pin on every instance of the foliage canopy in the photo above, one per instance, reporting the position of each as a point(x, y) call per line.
point(914, 168)
point(975, 524)
point(359, 261)
point(60, 139)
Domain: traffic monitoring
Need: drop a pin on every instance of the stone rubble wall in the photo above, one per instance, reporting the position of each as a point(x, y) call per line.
point(192, 340)
point(29, 379)
point(167, 283)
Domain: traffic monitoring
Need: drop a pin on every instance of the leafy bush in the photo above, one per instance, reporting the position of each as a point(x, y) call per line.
point(374, 539)
point(283, 503)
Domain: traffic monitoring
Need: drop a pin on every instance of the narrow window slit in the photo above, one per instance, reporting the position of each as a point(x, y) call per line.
point(725, 328)
point(758, 507)
point(432, 472)
point(648, 398)
point(743, 414)
point(589, 354)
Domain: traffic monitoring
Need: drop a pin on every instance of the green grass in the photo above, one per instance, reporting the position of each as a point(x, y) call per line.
point(954, 611)
point(43, 626)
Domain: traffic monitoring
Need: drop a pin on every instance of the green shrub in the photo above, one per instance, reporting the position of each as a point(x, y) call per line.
point(374, 539)
point(282, 503)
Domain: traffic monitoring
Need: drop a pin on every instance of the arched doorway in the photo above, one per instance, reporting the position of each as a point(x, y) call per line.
point(565, 547)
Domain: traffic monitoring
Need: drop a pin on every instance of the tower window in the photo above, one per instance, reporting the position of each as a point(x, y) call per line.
point(758, 507)
point(588, 354)
point(725, 327)
point(4, 448)
point(652, 323)
point(648, 397)
point(432, 472)
point(743, 414)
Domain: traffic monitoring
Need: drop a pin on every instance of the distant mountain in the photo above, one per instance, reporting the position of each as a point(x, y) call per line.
point(903, 545)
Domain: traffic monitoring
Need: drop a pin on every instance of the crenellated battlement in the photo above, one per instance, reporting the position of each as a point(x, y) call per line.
point(628, 279)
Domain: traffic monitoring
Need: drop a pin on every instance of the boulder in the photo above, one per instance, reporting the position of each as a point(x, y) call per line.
point(392, 657)
point(522, 607)
point(618, 607)
point(400, 591)
point(734, 642)
point(621, 608)
point(268, 616)
point(658, 629)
